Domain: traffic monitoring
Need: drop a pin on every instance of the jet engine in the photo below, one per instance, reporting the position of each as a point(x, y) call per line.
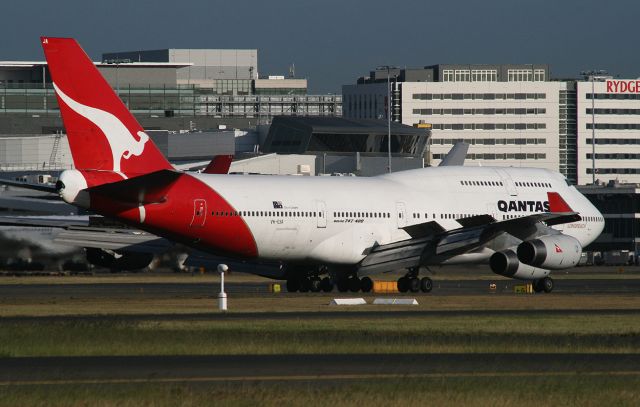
point(506, 263)
point(123, 261)
point(553, 252)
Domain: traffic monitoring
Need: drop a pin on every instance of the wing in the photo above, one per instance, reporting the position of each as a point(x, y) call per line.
point(430, 241)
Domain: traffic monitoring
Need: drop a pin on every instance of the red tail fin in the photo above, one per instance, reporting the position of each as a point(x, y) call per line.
point(102, 133)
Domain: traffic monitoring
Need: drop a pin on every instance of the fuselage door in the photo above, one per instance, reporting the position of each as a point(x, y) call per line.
point(322, 214)
point(199, 213)
point(507, 182)
point(401, 215)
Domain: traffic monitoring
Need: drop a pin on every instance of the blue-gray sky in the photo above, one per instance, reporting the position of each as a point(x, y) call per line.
point(332, 42)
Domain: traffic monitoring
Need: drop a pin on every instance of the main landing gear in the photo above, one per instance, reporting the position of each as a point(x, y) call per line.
point(412, 283)
point(544, 284)
point(313, 284)
point(316, 284)
point(354, 284)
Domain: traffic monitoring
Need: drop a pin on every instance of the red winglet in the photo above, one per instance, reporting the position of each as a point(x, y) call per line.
point(557, 204)
point(219, 165)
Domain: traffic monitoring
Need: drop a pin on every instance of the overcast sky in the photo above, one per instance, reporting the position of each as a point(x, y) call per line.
point(332, 42)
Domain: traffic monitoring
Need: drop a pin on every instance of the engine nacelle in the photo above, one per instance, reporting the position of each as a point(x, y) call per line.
point(506, 263)
point(553, 252)
point(71, 186)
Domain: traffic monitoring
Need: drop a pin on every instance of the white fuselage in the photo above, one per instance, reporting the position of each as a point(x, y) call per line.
point(336, 219)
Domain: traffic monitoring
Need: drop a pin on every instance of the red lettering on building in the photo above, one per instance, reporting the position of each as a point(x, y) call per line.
point(623, 86)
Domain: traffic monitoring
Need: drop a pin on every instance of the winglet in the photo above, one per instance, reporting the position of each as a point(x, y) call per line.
point(219, 165)
point(557, 204)
point(456, 155)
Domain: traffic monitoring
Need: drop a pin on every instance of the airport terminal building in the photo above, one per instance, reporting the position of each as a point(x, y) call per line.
point(170, 89)
point(512, 115)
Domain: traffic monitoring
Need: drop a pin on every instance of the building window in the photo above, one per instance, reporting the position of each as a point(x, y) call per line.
point(447, 75)
point(538, 75)
point(484, 75)
point(462, 75)
point(520, 75)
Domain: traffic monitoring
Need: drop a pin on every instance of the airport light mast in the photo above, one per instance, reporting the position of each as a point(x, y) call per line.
point(388, 69)
point(593, 75)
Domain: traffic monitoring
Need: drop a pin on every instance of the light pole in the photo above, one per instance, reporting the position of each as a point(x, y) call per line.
point(117, 62)
point(388, 69)
point(592, 77)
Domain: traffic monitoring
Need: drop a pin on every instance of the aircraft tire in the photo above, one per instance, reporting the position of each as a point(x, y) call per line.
point(426, 285)
point(354, 284)
point(547, 284)
point(403, 284)
point(326, 285)
point(537, 286)
point(366, 284)
point(343, 285)
point(414, 285)
point(293, 285)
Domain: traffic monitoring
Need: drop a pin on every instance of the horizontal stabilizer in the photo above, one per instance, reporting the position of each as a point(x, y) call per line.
point(145, 189)
point(113, 239)
point(44, 221)
point(26, 185)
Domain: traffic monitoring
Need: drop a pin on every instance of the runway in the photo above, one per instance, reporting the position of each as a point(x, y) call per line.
point(318, 315)
point(8, 292)
point(312, 367)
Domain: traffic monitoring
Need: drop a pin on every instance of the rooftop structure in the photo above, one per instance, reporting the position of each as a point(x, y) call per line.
point(314, 134)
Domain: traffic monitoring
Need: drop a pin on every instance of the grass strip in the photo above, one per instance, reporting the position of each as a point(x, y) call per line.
point(557, 333)
point(469, 390)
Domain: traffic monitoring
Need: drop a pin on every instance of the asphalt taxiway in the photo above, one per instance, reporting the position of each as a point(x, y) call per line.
point(313, 367)
point(150, 290)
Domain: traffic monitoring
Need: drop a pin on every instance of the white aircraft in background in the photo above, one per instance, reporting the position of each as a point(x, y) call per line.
point(523, 222)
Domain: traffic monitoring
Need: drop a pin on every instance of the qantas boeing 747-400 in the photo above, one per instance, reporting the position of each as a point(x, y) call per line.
point(523, 222)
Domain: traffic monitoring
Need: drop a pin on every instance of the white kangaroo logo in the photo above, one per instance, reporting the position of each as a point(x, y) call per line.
point(121, 141)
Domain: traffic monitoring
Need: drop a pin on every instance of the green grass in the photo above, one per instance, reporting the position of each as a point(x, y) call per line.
point(553, 390)
point(558, 333)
